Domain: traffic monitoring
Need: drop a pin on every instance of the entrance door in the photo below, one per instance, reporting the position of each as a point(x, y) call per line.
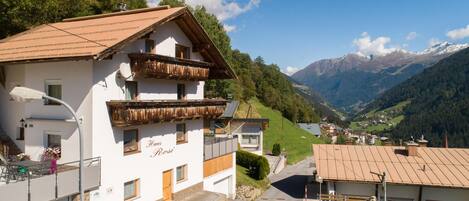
point(167, 185)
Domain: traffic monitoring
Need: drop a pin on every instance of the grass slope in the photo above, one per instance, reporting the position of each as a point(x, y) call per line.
point(394, 114)
point(294, 140)
point(243, 179)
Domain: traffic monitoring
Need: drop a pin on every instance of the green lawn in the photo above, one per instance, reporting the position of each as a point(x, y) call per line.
point(243, 179)
point(294, 140)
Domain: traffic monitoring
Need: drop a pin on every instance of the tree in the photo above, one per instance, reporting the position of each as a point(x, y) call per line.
point(276, 150)
point(341, 139)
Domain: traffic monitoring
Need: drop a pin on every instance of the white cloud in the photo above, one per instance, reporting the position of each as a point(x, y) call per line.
point(153, 3)
point(290, 70)
point(229, 28)
point(367, 46)
point(224, 9)
point(458, 33)
point(433, 41)
point(411, 36)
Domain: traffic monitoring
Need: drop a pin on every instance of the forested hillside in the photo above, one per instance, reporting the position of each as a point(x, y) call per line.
point(439, 103)
point(255, 77)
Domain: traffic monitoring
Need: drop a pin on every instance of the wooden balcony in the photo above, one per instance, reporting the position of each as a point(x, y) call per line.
point(128, 113)
point(164, 67)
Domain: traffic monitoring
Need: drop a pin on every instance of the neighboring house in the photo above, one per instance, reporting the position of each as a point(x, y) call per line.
point(249, 131)
point(311, 128)
point(143, 133)
point(412, 173)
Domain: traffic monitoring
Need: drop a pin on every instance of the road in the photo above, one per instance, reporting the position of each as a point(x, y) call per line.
point(290, 183)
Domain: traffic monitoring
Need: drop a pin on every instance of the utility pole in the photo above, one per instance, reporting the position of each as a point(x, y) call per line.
point(382, 177)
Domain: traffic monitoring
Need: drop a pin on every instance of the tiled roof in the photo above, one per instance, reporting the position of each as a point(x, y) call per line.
point(444, 167)
point(80, 37)
point(311, 128)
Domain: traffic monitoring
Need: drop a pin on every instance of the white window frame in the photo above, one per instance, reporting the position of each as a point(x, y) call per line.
point(46, 89)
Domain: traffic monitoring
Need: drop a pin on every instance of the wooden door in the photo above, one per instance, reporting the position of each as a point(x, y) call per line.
point(167, 185)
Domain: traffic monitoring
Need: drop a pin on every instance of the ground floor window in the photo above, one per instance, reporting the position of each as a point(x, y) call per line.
point(131, 189)
point(181, 173)
point(250, 139)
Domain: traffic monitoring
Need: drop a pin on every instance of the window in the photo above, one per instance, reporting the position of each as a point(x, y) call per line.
point(53, 88)
point(53, 141)
point(150, 46)
point(181, 173)
point(181, 134)
point(131, 142)
point(182, 52)
point(181, 90)
point(131, 189)
point(131, 90)
point(250, 139)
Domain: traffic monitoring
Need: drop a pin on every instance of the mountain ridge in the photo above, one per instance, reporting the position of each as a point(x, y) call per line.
point(351, 81)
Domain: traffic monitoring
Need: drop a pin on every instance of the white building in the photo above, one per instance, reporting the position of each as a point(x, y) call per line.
point(143, 133)
point(250, 133)
point(411, 173)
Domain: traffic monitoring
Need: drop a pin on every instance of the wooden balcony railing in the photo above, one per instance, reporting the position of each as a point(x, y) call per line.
point(127, 113)
point(164, 67)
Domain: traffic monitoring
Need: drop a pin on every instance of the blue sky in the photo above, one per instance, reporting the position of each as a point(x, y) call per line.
point(296, 33)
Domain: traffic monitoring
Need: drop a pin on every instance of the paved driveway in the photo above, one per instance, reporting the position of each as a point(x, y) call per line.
point(290, 183)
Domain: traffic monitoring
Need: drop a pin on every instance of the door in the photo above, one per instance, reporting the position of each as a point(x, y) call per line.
point(167, 185)
point(223, 186)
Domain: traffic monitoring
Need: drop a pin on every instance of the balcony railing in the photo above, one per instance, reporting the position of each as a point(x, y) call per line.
point(42, 183)
point(164, 67)
point(127, 113)
point(217, 146)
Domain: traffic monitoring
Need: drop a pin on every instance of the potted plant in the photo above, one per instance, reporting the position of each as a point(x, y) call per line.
point(52, 154)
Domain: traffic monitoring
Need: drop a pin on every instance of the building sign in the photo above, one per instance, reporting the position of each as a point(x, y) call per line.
point(158, 149)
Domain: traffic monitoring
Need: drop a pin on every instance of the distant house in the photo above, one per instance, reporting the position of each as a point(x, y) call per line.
point(311, 128)
point(249, 131)
point(413, 172)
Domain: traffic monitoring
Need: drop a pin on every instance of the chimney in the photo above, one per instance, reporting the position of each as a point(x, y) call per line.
point(422, 142)
point(411, 148)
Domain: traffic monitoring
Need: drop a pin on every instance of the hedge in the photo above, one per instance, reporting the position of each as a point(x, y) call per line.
point(276, 150)
point(258, 166)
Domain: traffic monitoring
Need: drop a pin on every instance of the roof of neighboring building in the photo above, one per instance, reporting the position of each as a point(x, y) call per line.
point(100, 36)
point(230, 110)
point(442, 167)
point(311, 128)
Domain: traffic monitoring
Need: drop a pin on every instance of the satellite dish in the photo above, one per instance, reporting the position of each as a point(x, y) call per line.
point(125, 71)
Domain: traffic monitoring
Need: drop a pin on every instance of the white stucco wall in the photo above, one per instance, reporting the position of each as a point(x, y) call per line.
point(11, 111)
point(117, 168)
point(76, 79)
point(403, 192)
point(241, 128)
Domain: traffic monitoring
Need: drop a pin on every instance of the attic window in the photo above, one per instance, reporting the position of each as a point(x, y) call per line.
point(182, 52)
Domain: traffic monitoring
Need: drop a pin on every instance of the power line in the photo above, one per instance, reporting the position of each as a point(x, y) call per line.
point(76, 35)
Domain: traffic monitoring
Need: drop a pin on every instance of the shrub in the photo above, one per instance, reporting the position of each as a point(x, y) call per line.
point(276, 149)
point(258, 166)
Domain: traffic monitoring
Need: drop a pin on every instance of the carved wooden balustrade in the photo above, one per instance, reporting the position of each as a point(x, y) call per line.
point(128, 113)
point(164, 67)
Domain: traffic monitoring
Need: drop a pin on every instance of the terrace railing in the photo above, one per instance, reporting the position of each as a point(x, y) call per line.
point(218, 146)
point(127, 113)
point(164, 67)
point(42, 183)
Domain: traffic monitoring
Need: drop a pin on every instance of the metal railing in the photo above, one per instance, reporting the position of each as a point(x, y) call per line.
point(42, 182)
point(219, 146)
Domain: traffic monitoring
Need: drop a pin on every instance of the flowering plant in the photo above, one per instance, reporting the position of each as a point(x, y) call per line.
point(52, 153)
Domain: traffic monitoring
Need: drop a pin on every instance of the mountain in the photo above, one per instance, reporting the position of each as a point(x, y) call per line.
point(436, 102)
point(320, 105)
point(352, 81)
